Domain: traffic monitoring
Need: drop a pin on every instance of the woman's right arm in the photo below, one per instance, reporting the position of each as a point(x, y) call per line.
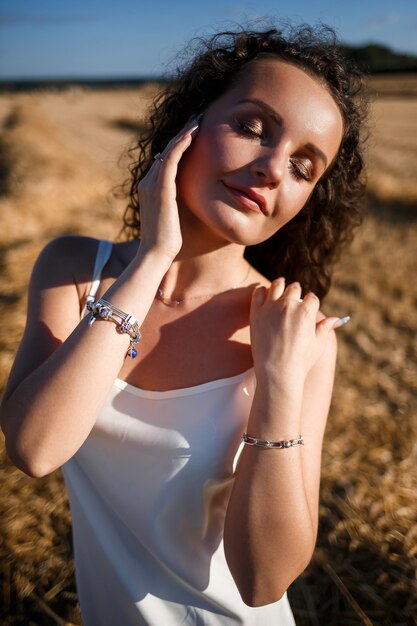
point(64, 369)
point(60, 378)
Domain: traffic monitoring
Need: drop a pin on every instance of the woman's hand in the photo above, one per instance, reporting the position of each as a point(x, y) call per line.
point(286, 337)
point(273, 505)
point(160, 225)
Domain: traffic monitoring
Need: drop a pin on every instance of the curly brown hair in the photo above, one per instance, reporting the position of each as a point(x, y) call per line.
point(306, 248)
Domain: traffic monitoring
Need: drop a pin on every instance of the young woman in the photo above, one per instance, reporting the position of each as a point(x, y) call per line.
point(193, 470)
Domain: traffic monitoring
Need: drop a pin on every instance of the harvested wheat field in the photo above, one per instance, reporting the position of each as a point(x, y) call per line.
point(59, 160)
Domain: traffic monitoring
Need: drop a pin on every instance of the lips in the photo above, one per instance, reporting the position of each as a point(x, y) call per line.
point(247, 197)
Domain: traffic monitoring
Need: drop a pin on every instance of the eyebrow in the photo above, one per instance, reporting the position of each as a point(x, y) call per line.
point(276, 117)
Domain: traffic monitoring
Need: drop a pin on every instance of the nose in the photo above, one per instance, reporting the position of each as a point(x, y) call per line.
point(270, 165)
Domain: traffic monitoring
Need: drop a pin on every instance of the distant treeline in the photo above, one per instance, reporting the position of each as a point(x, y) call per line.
point(375, 58)
point(371, 59)
point(73, 84)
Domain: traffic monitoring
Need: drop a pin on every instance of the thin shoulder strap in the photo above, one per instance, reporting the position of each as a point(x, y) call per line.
point(103, 254)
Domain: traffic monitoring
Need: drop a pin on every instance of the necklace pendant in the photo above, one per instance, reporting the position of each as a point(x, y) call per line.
point(173, 303)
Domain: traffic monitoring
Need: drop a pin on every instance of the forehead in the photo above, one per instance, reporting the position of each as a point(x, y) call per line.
point(274, 74)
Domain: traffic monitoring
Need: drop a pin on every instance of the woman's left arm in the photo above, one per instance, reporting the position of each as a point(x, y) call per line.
point(272, 516)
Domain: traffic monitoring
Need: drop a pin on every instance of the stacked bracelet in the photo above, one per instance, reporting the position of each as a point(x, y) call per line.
point(125, 322)
point(264, 443)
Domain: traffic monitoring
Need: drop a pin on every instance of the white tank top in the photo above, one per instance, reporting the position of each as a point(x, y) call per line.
point(148, 491)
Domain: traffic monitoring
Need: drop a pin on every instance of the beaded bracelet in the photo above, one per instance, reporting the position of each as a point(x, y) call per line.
point(277, 445)
point(125, 322)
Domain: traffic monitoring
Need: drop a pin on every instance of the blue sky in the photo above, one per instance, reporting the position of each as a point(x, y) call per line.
point(103, 38)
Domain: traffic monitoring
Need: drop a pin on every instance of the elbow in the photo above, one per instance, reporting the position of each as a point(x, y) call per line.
point(28, 466)
point(18, 455)
point(262, 597)
point(33, 471)
point(30, 469)
point(267, 590)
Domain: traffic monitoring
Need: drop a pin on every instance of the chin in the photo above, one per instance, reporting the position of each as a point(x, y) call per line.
point(231, 225)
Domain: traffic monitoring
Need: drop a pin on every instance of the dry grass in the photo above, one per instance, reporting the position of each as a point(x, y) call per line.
point(58, 160)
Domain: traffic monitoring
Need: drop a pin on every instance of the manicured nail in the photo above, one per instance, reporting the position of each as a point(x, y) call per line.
point(341, 322)
point(187, 132)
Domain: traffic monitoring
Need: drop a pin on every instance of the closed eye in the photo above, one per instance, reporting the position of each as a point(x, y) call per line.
point(250, 128)
point(300, 169)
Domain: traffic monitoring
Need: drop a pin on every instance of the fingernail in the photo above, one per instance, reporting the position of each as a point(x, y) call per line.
point(187, 132)
point(197, 117)
point(341, 321)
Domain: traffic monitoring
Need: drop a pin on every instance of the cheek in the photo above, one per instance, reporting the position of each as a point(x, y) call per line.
point(205, 160)
point(290, 200)
point(228, 152)
point(188, 168)
point(218, 149)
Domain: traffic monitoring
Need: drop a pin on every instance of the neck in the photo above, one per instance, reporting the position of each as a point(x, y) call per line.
point(206, 264)
point(206, 273)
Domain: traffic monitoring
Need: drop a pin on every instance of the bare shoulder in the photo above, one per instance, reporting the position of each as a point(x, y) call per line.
point(260, 279)
point(69, 260)
point(67, 255)
point(54, 301)
point(77, 253)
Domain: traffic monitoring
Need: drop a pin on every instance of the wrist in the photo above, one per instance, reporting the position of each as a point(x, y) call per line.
point(153, 260)
point(157, 253)
point(280, 383)
point(275, 414)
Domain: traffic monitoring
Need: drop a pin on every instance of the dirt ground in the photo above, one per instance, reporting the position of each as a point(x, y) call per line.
point(61, 153)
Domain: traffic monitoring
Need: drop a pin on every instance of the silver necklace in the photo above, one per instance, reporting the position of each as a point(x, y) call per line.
point(160, 295)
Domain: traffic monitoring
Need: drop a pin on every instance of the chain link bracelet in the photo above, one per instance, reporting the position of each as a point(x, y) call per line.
point(125, 323)
point(277, 445)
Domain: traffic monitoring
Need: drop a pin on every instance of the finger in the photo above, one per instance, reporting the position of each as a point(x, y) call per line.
point(189, 128)
point(276, 289)
point(163, 170)
point(183, 138)
point(341, 321)
point(160, 158)
point(258, 297)
point(311, 302)
point(293, 291)
point(170, 158)
point(330, 323)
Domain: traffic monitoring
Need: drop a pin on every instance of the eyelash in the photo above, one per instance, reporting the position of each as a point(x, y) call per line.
point(248, 129)
point(298, 170)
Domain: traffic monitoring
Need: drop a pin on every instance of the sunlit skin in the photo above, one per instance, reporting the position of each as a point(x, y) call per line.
point(275, 133)
point(251, 166)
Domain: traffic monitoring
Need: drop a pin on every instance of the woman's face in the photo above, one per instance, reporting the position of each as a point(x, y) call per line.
point(260, 150)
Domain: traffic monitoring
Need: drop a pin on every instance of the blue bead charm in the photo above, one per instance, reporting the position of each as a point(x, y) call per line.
point(125, 323)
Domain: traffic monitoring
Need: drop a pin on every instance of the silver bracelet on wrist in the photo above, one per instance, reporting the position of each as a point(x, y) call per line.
point(125, 323)
point(277, 445)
